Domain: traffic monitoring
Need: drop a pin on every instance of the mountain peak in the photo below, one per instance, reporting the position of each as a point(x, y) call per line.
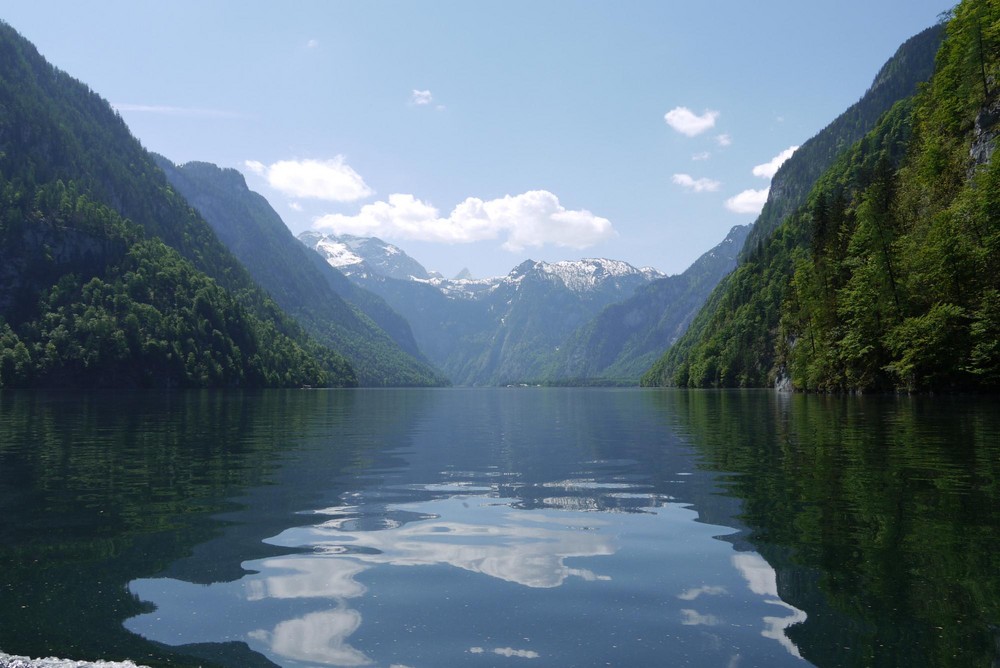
point(592, 273)
point(352, 254)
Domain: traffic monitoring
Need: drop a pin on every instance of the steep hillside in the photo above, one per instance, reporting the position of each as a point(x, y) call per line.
point(899, 78)
point(889, 278)
point(622, 342)
point(304, 289)
point(87, 290)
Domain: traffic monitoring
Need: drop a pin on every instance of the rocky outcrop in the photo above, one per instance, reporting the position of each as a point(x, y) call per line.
point(984, 133)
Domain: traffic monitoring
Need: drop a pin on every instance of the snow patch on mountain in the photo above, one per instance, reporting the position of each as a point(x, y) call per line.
point(338, 254)
point(360, 255)
point(465, 288)
point(591, 273)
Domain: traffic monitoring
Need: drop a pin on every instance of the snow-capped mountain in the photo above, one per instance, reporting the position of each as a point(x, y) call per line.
point(597, 273)
point(357, 255)
point(483, 331)
point(579, 276)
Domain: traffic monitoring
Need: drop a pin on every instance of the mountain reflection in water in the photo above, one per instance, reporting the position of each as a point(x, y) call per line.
point(383, 567)
point(485, 527)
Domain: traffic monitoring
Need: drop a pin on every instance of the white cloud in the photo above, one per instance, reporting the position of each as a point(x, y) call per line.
point(312, 44)
point(421, 97)
point(256, 167)
point(748, 201)
point(701, 185)
point(295, 206)
point(333, 180)
point(166, 110)
point(768, 169)
point(689, 123)
point(723, 140)
point(704, 155)
point(531, 219)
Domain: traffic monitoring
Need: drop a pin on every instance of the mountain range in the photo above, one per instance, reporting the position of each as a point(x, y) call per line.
point(542, 322)
point(873, 265)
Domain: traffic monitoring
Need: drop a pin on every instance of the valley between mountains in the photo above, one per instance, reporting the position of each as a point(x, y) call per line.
point(873, 265)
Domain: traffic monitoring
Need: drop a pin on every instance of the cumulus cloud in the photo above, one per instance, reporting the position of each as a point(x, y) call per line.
point(531, 219)
point(768, 169)
point(421, 97)
point(748, 201)
point(704, 155)
point(723, 140)
point(689, 123)
point(332, 180)
point(312, 44)
point(701, 185)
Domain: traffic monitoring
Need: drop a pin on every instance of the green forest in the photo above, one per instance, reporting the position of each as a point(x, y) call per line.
point(127, 311)
point(888, 277)
point(108, 278)
point(308, 290)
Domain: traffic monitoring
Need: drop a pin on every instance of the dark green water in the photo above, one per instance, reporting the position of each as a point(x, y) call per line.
point(543, 527)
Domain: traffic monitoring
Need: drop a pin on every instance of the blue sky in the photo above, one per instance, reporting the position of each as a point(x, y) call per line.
point(479, 134)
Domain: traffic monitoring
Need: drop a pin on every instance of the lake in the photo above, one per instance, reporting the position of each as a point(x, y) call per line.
point(500, 527)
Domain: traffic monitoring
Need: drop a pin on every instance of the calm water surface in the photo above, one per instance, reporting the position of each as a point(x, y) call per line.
point(500, 527)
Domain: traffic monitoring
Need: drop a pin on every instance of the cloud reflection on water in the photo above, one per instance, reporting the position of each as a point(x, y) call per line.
point(306, 578)
point(520, 547)
point(319, 637)
point(763, 581)
point(477, 531)
point(526, 548)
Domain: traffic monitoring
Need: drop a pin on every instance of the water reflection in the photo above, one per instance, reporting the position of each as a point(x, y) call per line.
point(468, 526)
point(318, 637)
point(480, 527)
point(524, 548)
point(763, 581)
point(484, 536)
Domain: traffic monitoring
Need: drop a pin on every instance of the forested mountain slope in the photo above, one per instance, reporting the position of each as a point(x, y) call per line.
point(256, 235)
point(625, 338)
point(107, 276)
point(911, 65)
point(889, 277)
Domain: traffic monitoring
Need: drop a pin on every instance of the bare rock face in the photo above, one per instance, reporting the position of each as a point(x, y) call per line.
point(984, 134)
